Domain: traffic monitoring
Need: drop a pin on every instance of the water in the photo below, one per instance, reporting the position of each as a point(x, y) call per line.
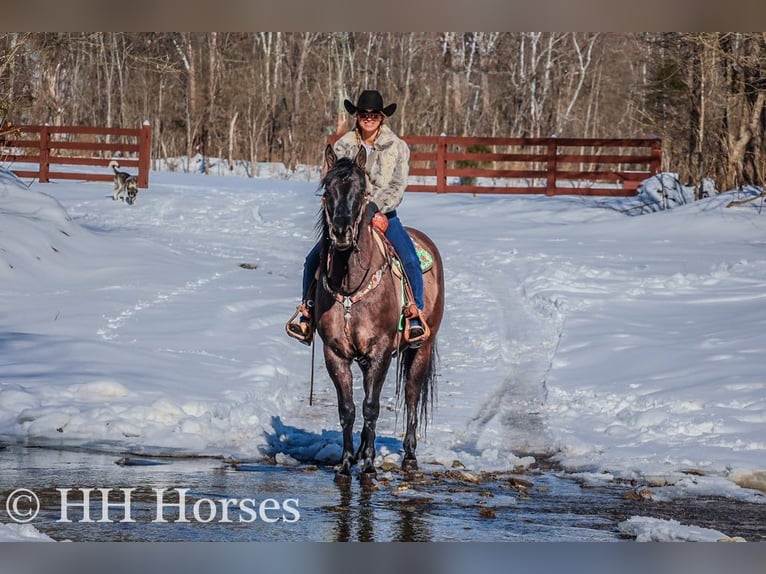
point(272, 503)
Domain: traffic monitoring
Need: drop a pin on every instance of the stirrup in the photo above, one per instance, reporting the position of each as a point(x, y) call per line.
point(410, 335)
point(303, 330)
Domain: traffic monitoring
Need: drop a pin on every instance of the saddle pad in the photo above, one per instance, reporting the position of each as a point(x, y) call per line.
point(425, 257)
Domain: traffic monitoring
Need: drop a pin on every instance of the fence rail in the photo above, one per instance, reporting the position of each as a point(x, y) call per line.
point(55, 147)
point(553, 166)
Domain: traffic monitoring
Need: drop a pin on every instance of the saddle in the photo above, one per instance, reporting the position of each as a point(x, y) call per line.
point(304, 331)
point(409, 309)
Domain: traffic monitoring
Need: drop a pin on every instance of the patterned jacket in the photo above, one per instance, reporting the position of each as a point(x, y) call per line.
point(388, 166)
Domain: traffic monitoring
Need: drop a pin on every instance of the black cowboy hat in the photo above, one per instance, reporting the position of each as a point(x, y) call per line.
point(369, 100)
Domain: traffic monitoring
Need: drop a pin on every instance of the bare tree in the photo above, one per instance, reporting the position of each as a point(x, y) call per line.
point(275, 96)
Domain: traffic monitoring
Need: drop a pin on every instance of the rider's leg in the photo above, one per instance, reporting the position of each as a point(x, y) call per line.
point(405, 248)
point(310, 266)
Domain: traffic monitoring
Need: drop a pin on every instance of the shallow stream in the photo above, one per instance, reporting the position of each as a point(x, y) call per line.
point(204, 499)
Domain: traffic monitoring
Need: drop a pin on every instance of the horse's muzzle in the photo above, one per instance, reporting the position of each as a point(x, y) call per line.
point(342, 237)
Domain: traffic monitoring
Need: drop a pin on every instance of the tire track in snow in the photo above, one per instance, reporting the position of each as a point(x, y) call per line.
point(113, 323)
point(509, 339)
point(512, 418)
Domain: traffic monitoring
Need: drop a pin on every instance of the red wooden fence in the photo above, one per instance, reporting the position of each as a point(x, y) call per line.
point(554, 166)
point(54, 147)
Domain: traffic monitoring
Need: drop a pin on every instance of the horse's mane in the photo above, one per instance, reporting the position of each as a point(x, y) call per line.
point(343, 169)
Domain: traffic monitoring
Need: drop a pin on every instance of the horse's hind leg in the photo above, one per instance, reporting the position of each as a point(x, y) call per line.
point(340, 373)
point(417, 369)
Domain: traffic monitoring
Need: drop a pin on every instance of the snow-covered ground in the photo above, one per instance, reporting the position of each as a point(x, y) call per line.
point(624, 346)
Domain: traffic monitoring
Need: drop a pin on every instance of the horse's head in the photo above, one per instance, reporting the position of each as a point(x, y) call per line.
point(344, 198)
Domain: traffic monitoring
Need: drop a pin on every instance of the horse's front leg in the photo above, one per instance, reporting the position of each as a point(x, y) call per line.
point(374, 371)
point(340, 373)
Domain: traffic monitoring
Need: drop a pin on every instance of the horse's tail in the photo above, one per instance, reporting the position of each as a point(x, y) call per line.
point(427, 396)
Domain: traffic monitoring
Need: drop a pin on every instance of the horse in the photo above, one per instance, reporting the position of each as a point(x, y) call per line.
point(358, 310)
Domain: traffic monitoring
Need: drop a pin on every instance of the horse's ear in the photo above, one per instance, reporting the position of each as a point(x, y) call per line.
point(361, 157)
point(329, 156)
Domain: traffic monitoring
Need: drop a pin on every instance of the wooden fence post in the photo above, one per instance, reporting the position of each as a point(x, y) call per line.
point(441, 164)
point(45, 150)
point(550, 183)
point(656, 154)
point(144, 154)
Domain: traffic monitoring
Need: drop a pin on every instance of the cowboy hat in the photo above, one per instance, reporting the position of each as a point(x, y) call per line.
point(369, 100)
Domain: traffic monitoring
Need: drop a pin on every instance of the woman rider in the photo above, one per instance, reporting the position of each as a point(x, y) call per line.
point(387, 168)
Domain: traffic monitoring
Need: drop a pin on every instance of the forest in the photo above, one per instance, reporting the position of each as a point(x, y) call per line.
point(276, 96)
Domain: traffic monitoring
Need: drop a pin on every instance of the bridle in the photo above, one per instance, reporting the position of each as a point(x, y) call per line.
point(356, 225)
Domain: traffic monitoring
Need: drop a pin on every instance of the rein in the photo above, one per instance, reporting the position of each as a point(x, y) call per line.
point(347, 299)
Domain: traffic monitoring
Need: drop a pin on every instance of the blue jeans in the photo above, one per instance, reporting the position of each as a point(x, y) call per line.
point(404, 246)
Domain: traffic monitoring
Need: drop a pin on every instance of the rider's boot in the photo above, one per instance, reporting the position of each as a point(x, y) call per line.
point(416, 330)
point(303, 329)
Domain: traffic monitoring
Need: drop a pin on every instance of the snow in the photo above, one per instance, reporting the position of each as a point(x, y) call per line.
point(22, 533)
point(621, 337)
point(658, 530)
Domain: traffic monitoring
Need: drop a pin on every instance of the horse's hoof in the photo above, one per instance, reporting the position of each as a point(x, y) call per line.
point(342, 479)
point(409, 464)
point(367, 479)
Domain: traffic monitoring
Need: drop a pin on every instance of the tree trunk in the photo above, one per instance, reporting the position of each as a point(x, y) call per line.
point(232, 139)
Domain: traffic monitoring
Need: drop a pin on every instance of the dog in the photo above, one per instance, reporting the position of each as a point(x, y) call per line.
point(125, 185)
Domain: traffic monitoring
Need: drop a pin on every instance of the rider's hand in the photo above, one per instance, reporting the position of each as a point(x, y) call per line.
point(380, 222)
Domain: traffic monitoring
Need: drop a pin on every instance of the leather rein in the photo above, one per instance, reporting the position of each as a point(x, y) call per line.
point(347, 299)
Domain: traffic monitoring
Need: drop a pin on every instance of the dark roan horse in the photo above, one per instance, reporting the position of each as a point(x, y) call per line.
point(358, 311)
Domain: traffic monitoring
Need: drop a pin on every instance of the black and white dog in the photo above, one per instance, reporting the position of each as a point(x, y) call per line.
point(125, 185)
